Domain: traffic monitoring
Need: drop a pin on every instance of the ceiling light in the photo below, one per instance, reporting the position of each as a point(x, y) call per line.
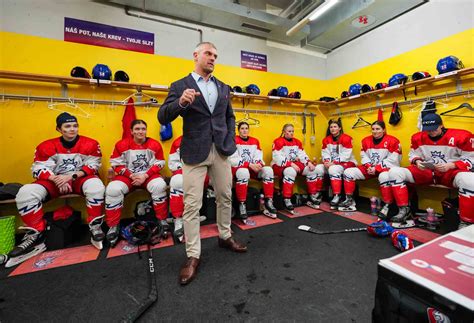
point(321, 9)
point(328, 4)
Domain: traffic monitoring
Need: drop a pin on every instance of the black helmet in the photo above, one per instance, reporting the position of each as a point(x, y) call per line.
point(121, 76)
point(79, 71)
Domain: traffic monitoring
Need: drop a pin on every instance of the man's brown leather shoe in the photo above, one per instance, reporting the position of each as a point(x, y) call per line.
point(232, 245)
point(188, 271)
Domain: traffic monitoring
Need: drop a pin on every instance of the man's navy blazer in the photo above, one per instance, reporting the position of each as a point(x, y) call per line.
point(201, 128)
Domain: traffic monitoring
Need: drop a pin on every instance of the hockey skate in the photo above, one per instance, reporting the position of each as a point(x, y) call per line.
point(269, 209)
point(314, 200)
point(289, 206)
point(166, 228)
point(403, 219)
point(348, 205)
point(113, 235)
point(335, 202)
point(243, 212)
point(31, 245)
point(97, 235)
point(178, 232)
point(383, 213)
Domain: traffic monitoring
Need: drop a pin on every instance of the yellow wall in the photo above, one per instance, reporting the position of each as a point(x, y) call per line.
point(24, 125)
point(421, 59)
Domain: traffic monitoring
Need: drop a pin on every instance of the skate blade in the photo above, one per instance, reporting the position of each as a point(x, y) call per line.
point(270, 215)
point(98, 244)
point(313, 206)
point(407, 224)
point(18, 260)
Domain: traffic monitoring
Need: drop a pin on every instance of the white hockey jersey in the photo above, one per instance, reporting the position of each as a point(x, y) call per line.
point(338, 151)
point(52, 158)
point(455, 146)
point(248, 152)
point(384, 155)
point(286, 151)
point(130, 158)
point(174, 158)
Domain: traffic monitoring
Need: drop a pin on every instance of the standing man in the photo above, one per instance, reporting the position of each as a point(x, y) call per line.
point(208, 140)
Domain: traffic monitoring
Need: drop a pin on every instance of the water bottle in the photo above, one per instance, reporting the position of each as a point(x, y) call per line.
point(374, 205)
point(431, 219)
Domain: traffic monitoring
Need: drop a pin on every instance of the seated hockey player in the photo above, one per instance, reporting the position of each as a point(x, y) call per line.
point(137, 163)
point(289, 160)
point(379, 153)
point(336, 155)
point(247, 162)
point(438, 156)
point(63, 165)
point(176, 189)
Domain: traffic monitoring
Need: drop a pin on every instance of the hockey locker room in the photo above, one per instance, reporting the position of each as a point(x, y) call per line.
point(264, 160)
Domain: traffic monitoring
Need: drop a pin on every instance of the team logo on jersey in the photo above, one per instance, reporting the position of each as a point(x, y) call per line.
point(375, 158)
point(292, 154)
point(334, 155)
point(438, 157)
point(245, 154)
point(140, 164)
point(68, 165)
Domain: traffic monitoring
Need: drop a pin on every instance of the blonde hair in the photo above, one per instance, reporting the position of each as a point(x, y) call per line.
point(286, 125)
point(198, 46)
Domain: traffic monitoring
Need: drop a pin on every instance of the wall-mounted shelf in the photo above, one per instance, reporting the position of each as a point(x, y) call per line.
point(65, 80)
point(429, 80)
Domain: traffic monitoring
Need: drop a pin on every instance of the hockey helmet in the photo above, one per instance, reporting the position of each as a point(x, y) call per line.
point(282, 91)
point(121, 76)
point(295, 95)
point(326, 99)
point(79, 71)
point(380, 86)
point(366, 88)
point(252, 89)
point(355, 89)
point(344, 94)
point(419, 75)
point(399, 78)
point(142, 232)
point(448, 64)
point(273, 92)
point(237, 89)
point(101, 72)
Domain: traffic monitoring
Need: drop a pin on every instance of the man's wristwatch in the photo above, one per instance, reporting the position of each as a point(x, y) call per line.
point(74, 176)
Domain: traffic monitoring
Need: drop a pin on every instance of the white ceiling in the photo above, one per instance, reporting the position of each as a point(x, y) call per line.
point(271, 19)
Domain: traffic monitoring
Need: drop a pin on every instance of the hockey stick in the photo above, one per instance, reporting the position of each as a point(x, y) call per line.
point(152, 295)
point(312, 230)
